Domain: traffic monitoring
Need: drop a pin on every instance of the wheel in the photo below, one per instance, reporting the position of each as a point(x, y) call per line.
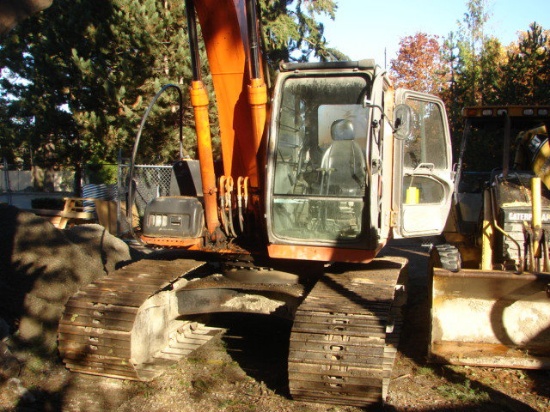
point(448, 257)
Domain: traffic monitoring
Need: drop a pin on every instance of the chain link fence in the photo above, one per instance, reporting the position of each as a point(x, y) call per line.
point(149, 182)
point(23, 178)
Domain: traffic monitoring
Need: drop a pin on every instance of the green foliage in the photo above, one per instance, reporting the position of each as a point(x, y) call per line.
point(471, 60)
point(527, 71)
point(488, 73)
point(78, 77)
point(291, 31)
point(102, 172)
point(463, 392)
point(88, 66)
point(473, 68)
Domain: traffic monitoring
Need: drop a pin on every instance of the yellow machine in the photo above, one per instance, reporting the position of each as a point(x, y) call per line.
point(491, 282)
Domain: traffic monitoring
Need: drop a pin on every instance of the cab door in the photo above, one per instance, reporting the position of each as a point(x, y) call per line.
point(423, 178)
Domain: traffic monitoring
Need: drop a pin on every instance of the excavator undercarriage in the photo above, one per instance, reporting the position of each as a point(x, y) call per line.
point(132, 324)
point(345, 334)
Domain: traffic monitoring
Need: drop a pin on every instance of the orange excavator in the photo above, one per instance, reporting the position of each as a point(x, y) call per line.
point(319, 172)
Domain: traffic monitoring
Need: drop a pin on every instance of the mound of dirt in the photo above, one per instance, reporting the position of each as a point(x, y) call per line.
point(41, 267)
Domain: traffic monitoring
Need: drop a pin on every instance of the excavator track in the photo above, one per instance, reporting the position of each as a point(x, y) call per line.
point(344, 339)
point(100, 330)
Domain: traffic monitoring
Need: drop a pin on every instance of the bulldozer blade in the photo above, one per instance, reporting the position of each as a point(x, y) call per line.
point(490, 318)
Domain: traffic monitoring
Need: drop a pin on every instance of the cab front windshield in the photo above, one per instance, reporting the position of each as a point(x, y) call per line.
point(320, 159)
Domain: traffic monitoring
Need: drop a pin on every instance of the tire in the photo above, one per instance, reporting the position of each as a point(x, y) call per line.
point(447, 257)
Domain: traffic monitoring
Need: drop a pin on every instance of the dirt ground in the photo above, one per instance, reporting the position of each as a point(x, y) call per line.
point(245, 370)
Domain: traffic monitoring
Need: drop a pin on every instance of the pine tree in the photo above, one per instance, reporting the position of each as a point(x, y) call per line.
point(471, 45)
point(527, 72)
point(78, 77)
point(291, 31)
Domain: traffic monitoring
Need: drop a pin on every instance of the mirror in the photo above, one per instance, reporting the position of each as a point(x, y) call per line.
point(402, 117)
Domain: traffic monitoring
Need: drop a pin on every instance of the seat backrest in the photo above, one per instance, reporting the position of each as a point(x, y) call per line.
point(343, 163)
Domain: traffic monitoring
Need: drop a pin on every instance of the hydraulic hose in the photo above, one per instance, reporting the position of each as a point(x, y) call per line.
point(131, 189)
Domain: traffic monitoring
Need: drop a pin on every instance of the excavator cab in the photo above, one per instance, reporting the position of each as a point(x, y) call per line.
point(319, 162)
point(330, 171)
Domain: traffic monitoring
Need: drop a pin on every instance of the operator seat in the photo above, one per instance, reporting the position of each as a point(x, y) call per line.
point(343, 163)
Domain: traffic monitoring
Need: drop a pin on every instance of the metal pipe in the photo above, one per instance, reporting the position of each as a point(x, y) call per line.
point(253, 39)
point(487, 234)
point(536, 218)
point(460, 167)
point(229, 185)
point(245, 184)
point(193, 39)
point(257, 98)
point(221, 195)
point(199, 101)
point(240, 188)
point(506, 148)
point(257, 89)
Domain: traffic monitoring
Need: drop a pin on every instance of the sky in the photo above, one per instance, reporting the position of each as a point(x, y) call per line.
point(372, 29)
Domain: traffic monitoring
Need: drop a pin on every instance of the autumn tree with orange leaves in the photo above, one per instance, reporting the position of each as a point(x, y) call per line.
point(471, 67)
point(419, 65)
